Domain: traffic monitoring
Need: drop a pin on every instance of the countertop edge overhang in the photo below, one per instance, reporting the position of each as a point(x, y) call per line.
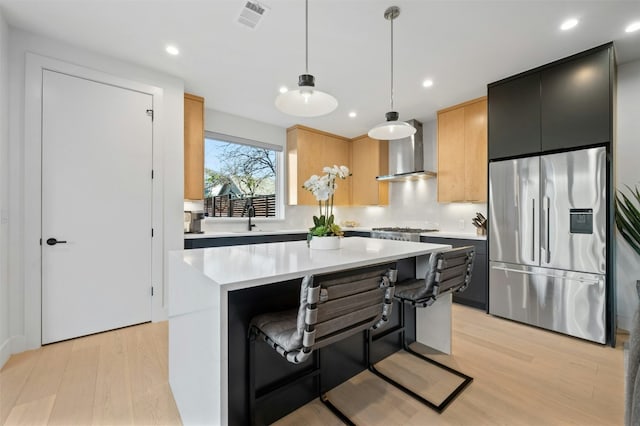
point(244, 266)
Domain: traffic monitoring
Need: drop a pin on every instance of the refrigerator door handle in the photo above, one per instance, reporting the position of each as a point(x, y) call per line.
point(533, 232)
point(519, 271)
point(548, 244)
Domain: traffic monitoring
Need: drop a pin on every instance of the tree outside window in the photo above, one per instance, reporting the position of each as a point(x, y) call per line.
point(237, 176)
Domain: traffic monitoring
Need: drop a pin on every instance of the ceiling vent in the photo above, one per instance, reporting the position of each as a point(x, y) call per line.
point(252, 13)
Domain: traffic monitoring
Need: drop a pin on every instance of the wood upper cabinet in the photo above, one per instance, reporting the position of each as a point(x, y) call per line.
point(451, 158)
point(462, 152)
point(369, 158)
point(193, 147)
point(308, 151)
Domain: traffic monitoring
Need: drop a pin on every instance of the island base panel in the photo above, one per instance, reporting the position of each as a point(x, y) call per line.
point(339, 361)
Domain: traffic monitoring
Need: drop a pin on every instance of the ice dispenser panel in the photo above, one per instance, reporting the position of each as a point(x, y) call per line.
point(581, 221)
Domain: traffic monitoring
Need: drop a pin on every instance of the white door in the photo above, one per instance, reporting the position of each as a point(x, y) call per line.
point(96, 201)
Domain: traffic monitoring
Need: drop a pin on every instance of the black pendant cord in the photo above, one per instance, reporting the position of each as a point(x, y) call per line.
point(391, 63)
point(306, 36)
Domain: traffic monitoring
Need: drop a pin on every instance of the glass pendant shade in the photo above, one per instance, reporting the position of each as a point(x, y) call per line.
point(306, 100)
point(390, 130)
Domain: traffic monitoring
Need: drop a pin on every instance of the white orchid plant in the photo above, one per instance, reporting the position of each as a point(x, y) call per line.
point(323, 188)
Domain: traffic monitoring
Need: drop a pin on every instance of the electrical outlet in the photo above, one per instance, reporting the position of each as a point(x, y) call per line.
point(461, 224)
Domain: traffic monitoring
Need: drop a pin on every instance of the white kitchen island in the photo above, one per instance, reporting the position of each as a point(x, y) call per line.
point(203, 281)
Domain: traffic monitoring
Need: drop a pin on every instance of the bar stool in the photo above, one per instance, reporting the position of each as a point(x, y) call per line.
point(448, 271)
point(331, 308)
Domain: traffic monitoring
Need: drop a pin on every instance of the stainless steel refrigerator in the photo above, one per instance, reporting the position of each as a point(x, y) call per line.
point(547, 241)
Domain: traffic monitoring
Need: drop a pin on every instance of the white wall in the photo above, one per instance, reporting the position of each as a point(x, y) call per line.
point(627, 173)
point(5, 343)
point(169, 140)
point(234, 125)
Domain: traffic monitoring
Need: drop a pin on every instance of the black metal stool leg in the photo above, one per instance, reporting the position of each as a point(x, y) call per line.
point(405, 345)
point(252, 380)
point(325, 400)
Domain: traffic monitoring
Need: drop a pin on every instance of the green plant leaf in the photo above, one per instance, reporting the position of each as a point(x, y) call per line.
point(631, 218)
point(336, 230)
point(320, 231)
point(316, 221)
point(627, 217)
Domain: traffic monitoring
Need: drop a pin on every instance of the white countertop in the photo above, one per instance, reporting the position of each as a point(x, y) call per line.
point(244, 266)
point(438, 234)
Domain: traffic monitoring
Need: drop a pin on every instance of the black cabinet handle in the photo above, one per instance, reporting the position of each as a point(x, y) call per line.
point(53, 242)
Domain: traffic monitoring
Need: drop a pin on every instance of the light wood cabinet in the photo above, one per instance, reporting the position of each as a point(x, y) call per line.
point(369, 158)
point(462, 152)
point(308, 151)
point(193, 147)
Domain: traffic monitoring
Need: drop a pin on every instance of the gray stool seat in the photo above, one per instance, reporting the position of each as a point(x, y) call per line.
point(281, 328)
point(412, 289)
point(447, 272)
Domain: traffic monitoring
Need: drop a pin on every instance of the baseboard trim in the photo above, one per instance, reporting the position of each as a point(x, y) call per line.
point(159, 314)
point(5, 352)
point(11, 346)
point(624, 322)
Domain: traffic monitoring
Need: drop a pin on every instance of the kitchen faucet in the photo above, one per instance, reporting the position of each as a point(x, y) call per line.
point(251, 211)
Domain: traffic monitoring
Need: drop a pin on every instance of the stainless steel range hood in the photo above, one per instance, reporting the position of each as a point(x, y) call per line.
point(406, 158)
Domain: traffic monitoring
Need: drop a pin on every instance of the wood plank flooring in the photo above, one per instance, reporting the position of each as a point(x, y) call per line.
point(522, 376)
point(113, 378)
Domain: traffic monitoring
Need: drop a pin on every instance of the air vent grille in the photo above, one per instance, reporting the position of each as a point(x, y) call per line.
point(252, 13)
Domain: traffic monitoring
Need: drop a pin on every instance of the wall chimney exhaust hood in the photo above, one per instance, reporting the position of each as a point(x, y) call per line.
point(406, 158)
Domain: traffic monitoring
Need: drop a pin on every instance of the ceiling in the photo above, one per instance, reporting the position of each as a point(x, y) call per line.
point(460, 45)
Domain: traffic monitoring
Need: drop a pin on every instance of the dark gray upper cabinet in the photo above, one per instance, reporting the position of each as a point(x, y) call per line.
point(514, 117)
point(560, 106)
point(576, 102)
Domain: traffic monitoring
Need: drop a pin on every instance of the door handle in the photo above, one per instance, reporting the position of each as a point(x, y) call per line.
point(548, 251)
point(588, 281)
point(53, 242)
point(533, 232)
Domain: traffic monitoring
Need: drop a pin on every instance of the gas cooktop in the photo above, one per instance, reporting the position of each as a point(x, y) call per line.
point(399, 229)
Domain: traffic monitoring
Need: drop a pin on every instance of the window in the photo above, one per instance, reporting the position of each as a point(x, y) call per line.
point(240, 174)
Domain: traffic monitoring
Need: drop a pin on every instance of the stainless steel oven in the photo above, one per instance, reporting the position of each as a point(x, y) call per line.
point(400, 234)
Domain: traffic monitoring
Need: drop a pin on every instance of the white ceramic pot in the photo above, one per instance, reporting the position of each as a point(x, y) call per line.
point(325, 243)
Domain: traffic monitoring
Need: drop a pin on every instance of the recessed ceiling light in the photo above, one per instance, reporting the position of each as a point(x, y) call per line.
point(427, 83)
point(568, 24)
point(283, 89)
point(172, 50)
point(632, 27)
point(353, 114)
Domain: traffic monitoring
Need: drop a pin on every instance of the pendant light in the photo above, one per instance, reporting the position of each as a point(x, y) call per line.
point(306, 100)
point(392, 128)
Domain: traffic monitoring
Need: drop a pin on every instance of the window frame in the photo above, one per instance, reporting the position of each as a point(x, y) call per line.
point(279, 180)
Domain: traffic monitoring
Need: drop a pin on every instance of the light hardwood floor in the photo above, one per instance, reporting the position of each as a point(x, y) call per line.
point(522, 376)
point(114, 378)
